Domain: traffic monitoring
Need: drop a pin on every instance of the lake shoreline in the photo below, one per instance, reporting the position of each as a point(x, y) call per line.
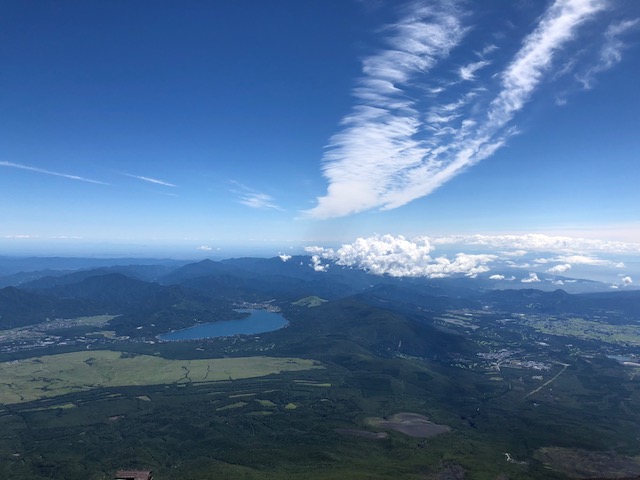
point(259, 321)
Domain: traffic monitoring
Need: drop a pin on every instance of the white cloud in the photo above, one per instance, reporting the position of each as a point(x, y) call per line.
point(610, 53)
point(521, 265)
point(258, 200)
point(399, 257)
point(588, 260)
point(205, 248)
point(582, 259)
point(317, 265)
point(514, 253)
point(284, 257)
point(561, 268)
point(532, 278)
point(387, 154)
point(468, 72)
point(368, 157)
point(541, 243)
point(625, 280)
point(488, 49)
point(51, 237)
point(151, 180)
point(252, 198)
point(49, 172)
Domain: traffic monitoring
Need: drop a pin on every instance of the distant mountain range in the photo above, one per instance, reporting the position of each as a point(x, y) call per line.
point(152, 298)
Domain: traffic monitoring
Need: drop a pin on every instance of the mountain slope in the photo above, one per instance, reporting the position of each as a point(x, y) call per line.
point(19, 308)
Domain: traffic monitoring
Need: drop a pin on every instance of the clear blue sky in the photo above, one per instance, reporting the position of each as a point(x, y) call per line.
point(149, 126)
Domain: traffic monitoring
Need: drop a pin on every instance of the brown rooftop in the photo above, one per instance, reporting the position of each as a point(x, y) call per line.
point(134, 475)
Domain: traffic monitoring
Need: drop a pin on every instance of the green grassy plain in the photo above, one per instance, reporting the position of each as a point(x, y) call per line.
point(584, 329)
point(53, 375)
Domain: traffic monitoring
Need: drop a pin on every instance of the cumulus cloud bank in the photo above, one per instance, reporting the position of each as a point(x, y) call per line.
point(561, 268)
point(397, 256)
point(521, 244)
point(567, 251)
point(498, 276)
point(398, 144)
point(532, 278)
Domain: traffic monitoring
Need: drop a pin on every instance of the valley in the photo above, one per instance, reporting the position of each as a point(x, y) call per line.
point(335, 394)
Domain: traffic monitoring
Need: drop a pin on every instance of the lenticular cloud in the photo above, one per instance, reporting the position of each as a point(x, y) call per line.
point(399, 257)
point(413, 128)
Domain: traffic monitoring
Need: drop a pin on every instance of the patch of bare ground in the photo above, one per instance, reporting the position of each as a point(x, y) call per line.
point(362, 433)
point(453, 471)
point(590, 465)
point(447, 471)
point(412, 424)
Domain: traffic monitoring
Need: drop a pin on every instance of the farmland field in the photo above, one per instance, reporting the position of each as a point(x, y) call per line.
point(53, 375)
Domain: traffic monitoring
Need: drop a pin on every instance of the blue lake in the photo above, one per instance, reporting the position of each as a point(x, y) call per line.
point(260, 321)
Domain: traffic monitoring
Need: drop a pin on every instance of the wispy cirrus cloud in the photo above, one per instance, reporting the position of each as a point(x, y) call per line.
point(47, 237)
point(253, 198)
point(377, 145)
point(20, 236)
point(150, 180)
point(258, 200)
point(398, 145)
point(468, 72)
point(49, 172)
point(610, 53)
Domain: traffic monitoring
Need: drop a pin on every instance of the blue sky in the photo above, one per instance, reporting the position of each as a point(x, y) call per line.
point(160, 127)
